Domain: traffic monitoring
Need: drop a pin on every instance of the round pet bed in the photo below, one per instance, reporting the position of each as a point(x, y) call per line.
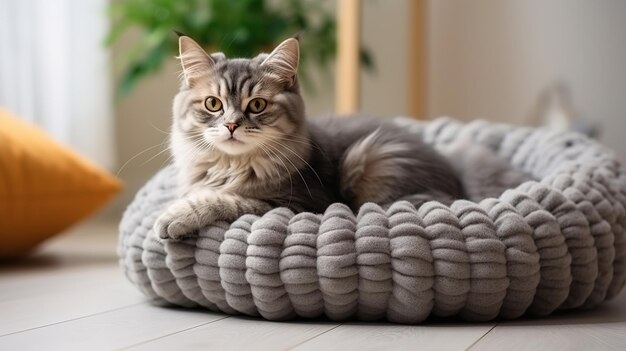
point(557, 242)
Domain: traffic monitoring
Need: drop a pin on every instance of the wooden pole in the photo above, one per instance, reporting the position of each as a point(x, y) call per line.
point(348, 63)
point(417, 66)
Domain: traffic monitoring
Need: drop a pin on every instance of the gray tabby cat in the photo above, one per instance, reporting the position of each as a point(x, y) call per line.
point(241, 144)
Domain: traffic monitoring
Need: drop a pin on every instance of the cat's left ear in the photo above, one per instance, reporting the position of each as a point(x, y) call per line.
point(282, 63)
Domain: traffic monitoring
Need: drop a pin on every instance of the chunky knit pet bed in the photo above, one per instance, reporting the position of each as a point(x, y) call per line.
point(555, 243)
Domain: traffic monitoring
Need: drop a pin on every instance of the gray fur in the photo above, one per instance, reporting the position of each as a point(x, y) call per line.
point(233, 161)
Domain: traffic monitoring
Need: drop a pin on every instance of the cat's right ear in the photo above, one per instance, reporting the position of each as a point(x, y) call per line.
point(196, 63)
point(282, 63)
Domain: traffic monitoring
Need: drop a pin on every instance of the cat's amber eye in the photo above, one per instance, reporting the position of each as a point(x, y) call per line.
point(213, 104)
point(257, 105)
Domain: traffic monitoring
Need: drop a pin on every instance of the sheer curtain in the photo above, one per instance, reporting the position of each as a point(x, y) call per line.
point(55, 72)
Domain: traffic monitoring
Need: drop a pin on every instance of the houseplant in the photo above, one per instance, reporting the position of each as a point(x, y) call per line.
point(239, 28)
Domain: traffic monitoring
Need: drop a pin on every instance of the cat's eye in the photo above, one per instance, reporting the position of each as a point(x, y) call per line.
point(213, 104)
point(257, 105)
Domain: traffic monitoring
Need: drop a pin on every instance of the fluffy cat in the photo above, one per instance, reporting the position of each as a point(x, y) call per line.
point(241, 144)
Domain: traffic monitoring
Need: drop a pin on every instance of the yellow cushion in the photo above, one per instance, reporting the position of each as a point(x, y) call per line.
point(44, 186)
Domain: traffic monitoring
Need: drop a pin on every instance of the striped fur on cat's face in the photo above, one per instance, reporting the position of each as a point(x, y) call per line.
point(237, 106)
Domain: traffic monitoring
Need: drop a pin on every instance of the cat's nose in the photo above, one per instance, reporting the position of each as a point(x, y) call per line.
point(231, 127)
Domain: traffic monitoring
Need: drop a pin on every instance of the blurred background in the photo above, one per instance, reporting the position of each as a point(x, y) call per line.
point(100, 75)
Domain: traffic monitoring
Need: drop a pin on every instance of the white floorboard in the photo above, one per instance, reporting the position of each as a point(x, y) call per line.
point(238, 333)
point(375, 337)
point(71, 277)
point(109, 330)
point(59, 280)
point(80, 301)
point(603, 328)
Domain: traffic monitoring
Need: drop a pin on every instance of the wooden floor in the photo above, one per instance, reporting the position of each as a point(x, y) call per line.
point(71, 295)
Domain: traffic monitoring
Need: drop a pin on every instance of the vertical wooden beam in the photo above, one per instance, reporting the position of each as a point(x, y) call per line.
point(418, 64)
point(348, 64)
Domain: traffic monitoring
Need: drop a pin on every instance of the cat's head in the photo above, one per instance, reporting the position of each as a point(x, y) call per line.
point(238, 106)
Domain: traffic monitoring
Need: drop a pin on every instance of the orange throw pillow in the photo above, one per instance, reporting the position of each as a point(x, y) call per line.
point(44, 186)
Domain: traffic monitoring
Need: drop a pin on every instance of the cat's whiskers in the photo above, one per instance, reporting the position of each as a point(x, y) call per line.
point(146, 150)
point(155, 156)
point(198, 147)
point(291, 162)
point(159, 153)
point(171, 156)
point(295, 136)
point(291, 137)
point(275, 170)
point(139, 154)
point(268, 152)
point(300, 157)
point(159, 129)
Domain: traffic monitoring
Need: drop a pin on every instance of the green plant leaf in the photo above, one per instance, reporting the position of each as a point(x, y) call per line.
point(241, 28)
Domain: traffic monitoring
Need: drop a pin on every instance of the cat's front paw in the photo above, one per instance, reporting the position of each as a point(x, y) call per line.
point(176, 223)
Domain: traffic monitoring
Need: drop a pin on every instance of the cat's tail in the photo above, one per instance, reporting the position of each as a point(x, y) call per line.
point(381, 168)
point(368, 169)
point(387, 165)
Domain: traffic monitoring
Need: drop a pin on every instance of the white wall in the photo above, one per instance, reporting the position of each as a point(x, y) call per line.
point(385, 31)
point(491, 58)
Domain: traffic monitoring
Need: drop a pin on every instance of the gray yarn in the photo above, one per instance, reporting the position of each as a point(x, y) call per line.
point(556, 243)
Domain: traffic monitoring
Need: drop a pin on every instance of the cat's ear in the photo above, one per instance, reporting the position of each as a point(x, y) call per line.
point(195, 61)
point(282, 63)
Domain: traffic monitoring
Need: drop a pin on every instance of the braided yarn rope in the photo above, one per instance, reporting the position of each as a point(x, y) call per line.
point(555, 243)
